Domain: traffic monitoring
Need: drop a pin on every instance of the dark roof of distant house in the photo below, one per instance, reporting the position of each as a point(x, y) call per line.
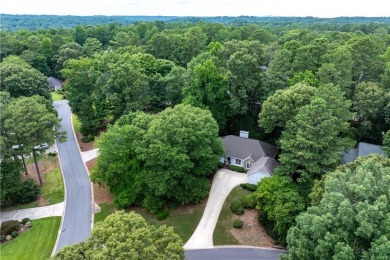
point(366, 149)
point(54, 82)
point(264, 164)
point(363, 149)
point(242, 148)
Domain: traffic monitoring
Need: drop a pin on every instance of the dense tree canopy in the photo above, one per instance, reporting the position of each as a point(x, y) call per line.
point(126, 236)
point(20, 79)
point(29, 124)
point(352, 219)
point(278, 201)
point(160, 160)
point(282, 106)
point(304, 155)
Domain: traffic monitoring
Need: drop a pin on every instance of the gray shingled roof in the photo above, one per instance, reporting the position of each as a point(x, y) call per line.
point(366, 149)
point(53, 82)
point(242, 148)
point(363, 149)
point(264, 164)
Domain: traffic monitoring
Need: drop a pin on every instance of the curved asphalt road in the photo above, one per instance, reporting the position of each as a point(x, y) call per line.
point(234, 253)
point(76, 222)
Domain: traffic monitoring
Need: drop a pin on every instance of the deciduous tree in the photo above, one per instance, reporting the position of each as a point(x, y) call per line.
point(351, 221)
point(279, 202)
point(311, 143)
point(126, 236)
point(282, 106)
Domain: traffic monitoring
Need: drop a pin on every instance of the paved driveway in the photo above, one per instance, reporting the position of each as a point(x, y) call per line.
point(224, 181)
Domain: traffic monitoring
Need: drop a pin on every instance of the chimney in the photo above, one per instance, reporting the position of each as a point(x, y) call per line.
point(244, 134)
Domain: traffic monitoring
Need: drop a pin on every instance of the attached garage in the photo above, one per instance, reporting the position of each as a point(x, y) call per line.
point(262, 168)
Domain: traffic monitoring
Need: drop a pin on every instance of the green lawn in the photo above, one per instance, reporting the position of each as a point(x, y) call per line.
point(56, 96)
point(221, 235)
point(184, 219)
point(76, 123)
point(53, 189)
point(36, 243)
point(106, 209)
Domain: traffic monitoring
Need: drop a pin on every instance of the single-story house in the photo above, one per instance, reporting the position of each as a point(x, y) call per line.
point(253, 155)
point(362, 149)
point(55, 84)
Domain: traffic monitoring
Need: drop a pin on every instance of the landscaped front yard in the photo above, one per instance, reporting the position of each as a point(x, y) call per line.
point(34, 244)
point(251, 234)
point(52, 191)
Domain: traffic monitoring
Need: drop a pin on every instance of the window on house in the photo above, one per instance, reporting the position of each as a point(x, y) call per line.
point(248, 165)
point(238, 162)
point(228, 159)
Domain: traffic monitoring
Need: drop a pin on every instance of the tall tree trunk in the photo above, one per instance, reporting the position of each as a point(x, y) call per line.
point(24, 164)
point(20, 147)
point(36, 166)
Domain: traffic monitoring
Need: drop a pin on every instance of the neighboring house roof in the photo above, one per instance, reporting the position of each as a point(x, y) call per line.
point(54, 82)
point(242, 148)
point(363, 149)
point(264, 164)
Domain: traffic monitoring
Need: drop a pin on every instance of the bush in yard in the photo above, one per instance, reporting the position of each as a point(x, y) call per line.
point(236, 168)
point(29, 224)
point(28, 192)
point(8, 238)
point(25, 220)
point(87, 139)
point(2, 238)
point(236, 207)
point(238, 223)
point(7, 227)
point(248, 186)
point(162, 215)
point(249, 201)
point(14, 234)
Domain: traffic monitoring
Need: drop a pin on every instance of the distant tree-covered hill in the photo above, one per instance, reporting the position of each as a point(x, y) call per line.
point(37, 22)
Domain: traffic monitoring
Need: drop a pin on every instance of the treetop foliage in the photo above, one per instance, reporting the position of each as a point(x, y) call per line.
point(351, 220)
point(126, 236)
point(159, 160)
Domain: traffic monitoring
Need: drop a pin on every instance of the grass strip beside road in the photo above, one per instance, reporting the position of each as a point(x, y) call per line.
point(106, 209)
point(36, 243)
point(76, 124)
point(53, 190)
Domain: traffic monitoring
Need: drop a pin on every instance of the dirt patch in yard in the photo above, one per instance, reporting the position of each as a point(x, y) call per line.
point(84, 147)
point(100, 194)
point(45, 166)
point(252, 233)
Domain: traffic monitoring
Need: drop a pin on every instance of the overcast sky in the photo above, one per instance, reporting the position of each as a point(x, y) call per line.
point(318, 8)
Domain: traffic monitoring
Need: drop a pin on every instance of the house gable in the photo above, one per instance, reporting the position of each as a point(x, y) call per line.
point(244, 148)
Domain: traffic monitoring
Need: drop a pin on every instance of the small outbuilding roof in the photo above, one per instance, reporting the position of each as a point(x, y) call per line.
point(264, 164)
point(242, 148)
point(54, 82)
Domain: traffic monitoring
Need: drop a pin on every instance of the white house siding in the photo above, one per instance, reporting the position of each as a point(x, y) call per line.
point(255, 177)
point(232, 161)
